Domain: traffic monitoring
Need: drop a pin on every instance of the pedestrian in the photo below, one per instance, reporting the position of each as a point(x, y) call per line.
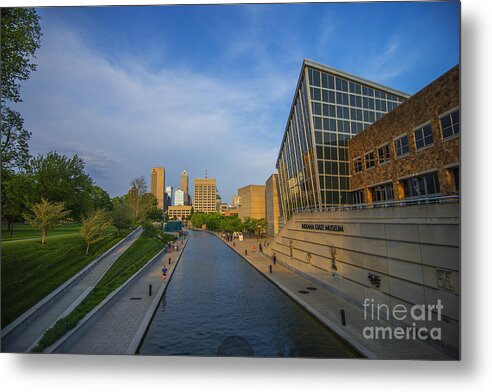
point(261, 249)
point(245, 252)
point(274, 258)
point(253, 249)
point(234, 244)
point(169, 261)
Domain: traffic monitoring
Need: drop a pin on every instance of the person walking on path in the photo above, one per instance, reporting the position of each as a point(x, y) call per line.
point(274, 258)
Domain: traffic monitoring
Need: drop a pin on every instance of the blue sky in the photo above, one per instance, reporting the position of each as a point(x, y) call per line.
point(210, 87)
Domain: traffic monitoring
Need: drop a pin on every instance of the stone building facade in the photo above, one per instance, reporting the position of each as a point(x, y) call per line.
point(158, 185)
point(272, 206)
point(179, 212)
point(413, 151)
point(205, 195)
point(252, 201)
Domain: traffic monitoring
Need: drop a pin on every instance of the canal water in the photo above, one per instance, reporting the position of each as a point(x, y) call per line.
point(216, 304)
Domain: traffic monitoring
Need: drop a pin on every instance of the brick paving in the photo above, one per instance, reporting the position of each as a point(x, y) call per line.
point(115, 329)
point(325, 305)
point(67, 300)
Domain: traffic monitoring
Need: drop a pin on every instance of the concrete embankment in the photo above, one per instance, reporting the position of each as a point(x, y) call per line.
point(118, 324)
point(326, 306)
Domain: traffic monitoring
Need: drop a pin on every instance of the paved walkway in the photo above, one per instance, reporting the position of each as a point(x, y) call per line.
point(115, 329)
point(326, 306)
point(72, 297)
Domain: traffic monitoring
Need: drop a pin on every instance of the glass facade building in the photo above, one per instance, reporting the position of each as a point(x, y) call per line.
point(329, 107)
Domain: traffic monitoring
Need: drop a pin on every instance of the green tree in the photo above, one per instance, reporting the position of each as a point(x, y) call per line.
point(231, 224)
point(140, 205)
point(117, 200)
point(46, 215)
point(100, 198)
point(198, 219)
point(151, 230)
point(249, 225)
point(62, 179)
point(21, 37)
point(155, 214)
point(261, 226)
point(95, 227)
point(17, 195)
point(122, 217)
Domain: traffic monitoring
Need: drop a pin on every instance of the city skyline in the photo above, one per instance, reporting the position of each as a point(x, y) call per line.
point(103, 92)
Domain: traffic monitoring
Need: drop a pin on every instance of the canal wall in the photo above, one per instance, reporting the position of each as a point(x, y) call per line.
point(398, 256)
point(108, 316)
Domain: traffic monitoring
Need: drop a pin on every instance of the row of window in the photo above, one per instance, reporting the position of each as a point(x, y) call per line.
point(352, 100)
point(321, 79)
point(418, 186)
point(346, 113)
point(450, 126)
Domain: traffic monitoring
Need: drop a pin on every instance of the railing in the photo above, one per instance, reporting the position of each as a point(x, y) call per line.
point(415, 201)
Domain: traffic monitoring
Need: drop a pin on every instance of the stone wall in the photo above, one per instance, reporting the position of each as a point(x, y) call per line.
point(397, 255)
point(272, 205)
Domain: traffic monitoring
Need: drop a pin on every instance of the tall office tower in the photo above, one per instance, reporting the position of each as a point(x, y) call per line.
point(329, 107)
point(158, 185)
point(183, 185)
point(205, 195)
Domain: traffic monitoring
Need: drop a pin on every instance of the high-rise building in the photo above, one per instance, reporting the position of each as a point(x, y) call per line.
point(179, 198)
point(183, 185)
point(329, 107)
point(158, 185)
point(169, 196)
point(272, 205)
point(205, 195)
point(252, 201)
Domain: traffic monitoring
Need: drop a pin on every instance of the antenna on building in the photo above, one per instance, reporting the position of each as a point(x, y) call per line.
point(206, 173)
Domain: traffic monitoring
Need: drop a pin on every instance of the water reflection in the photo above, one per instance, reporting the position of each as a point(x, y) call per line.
point(216, 298)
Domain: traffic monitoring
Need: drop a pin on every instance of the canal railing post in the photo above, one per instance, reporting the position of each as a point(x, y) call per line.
point(342, 314)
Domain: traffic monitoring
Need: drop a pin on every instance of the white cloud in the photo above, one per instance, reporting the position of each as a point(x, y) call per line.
point(124, 118)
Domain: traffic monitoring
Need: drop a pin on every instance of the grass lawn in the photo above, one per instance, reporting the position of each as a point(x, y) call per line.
point(30, 271)
point(26, 232)
point(130, 262)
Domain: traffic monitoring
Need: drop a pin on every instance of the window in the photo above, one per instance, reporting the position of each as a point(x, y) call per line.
point(357, 165)
point(401, 146)
point(382, 192)
point(455, 173)
point(425, 184)
point(369, 158)
point(383, 154)
point(423, 137)
point(342, 99)
point(358, 197)
point(450, 124)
